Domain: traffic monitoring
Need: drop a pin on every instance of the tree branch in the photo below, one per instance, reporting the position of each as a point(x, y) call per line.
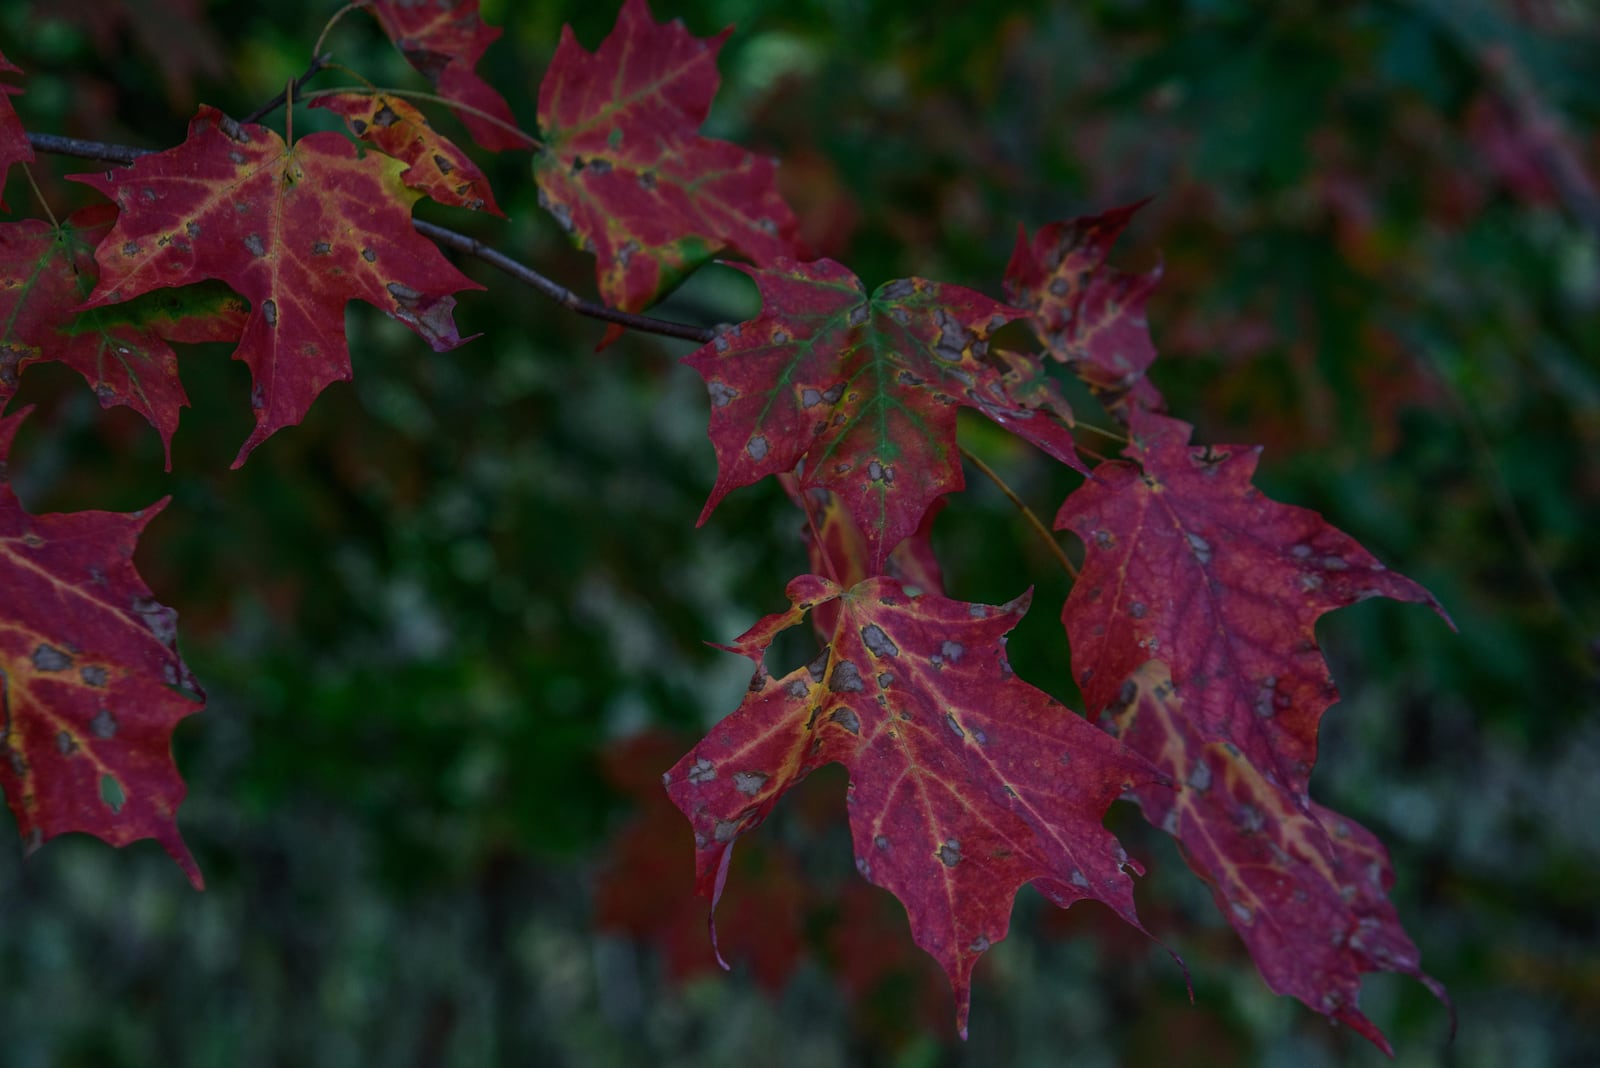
point(471, 246)
point(317, 64)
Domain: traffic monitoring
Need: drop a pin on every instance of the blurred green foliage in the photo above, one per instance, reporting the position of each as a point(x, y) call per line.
point(424, 615)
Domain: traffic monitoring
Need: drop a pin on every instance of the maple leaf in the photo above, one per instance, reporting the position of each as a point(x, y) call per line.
point(865, 390)
point(437, 166)
point(45, 271)
point(1304, 887)
point(298, 231)
point(1088, 315)
point(965, 782)
point(91, 684)
point(14, 147)
point(1189, 564)
point(626, 173)
point(444, 39)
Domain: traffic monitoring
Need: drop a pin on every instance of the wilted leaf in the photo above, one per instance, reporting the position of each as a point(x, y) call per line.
point(965, 782)
point(437, 166)
point(1305, 887)
point(1088, 315)
point(444, 39)
point(626, 172)
point(45, 272)
point(299, 232)
point(91, 685)
point(865, 390)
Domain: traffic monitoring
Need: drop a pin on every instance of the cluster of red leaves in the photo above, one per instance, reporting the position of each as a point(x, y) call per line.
point(1191, 625)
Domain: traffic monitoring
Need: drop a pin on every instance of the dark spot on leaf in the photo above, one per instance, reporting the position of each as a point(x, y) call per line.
point(726, 830)
point(359, 126)
point(131, 248)
point(49, 658)
point(950, 721)
point(402, 292)
point(702, 772)
point(819, 666)
point(64, 743)
point(858, 315)
point(950, 853)
point(979, 944)
point(810, 398)
point(1137, 610)
point(385, 116)
point(899, 289)
point(256, 246)
point(749, 782)
point(321, 248)
point(1200, 777)
point(879, 643)
point(647, 180)
point(369, 255)
point(93, 675)
point(846, 678)
point(951, 651)
point(721, 393)
point(1201, 547)
point(847, 719)
point(881, 842)
point(269, 312)
point(757, 448)
point(192, 228)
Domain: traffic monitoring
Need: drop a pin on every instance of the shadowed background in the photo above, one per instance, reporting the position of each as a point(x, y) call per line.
point(451, 627)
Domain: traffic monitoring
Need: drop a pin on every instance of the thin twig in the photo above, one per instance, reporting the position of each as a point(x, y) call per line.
point(95, 150)
point(1027, 513)
point(327, 27)
point(68, 146)
point(282, 98)
point(559, 293)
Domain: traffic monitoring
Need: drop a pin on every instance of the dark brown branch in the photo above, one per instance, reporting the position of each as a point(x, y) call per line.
point(125, 154)
point(96, 150)
point(278, 101)
point(559, 293)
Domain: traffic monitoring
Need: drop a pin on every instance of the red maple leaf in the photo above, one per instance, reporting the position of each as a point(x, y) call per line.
point(1088, 315)
point(1189, 564)
point(865, 390)
point(1305, 887)
point(437, 166)
point(91, 685)
point(626, 172)
point(444, 39)
point(965, 782)
point(46, 271)
point(14, 147)
point(298, 231)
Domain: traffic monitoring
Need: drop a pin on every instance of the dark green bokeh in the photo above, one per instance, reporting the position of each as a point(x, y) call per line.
point(423, 614)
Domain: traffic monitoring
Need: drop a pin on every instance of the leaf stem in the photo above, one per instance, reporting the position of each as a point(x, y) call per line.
point(327, 27)
point(1027, 513)
point(1120, 438)
point(43, 203)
